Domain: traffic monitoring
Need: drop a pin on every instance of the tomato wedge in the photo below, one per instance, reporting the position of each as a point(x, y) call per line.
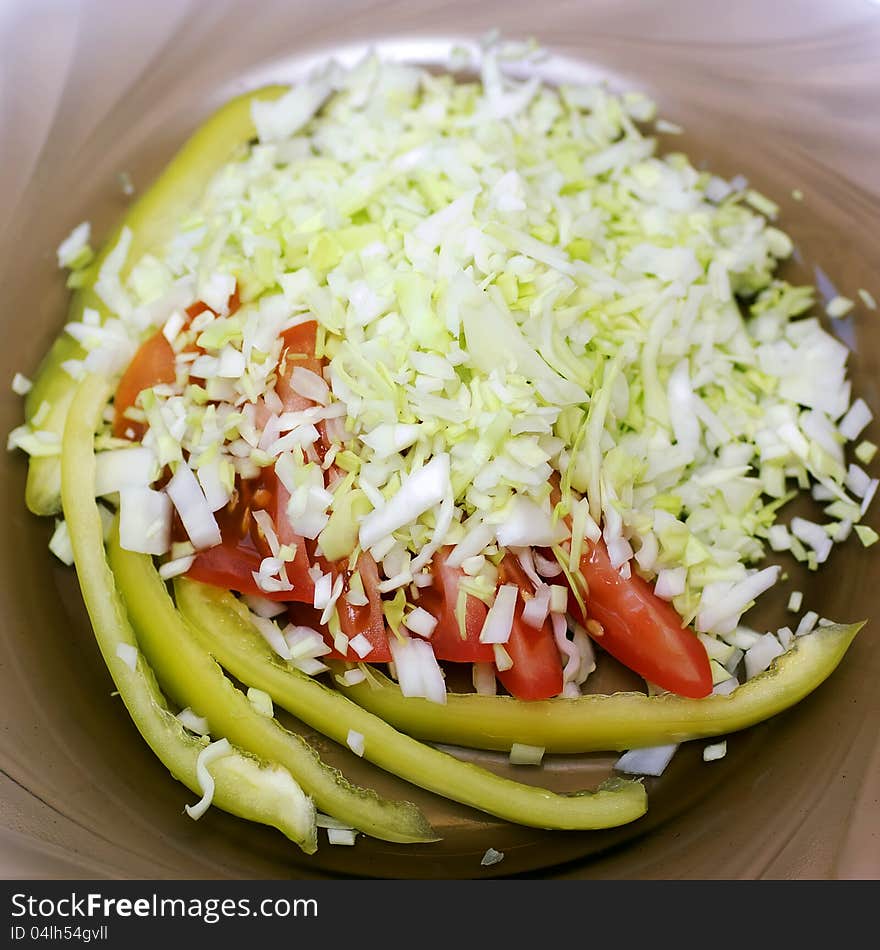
point(231, 564)
point(641, 630)
point(440, 601)
point(537, 667)
point(298, 350)
point(367, 619)
point(152, 364)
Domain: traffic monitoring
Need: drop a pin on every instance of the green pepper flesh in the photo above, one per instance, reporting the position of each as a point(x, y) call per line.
point(244, 786)
point(190, 675)
point(222, 625)
point(617, 721)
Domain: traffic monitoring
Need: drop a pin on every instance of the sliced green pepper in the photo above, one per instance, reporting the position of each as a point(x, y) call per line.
point(223, 628)
point(617, 721)
point(244, 786)
point(151, 220)
point(193, 678)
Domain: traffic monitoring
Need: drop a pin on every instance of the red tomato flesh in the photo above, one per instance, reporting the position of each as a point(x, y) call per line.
point(152, 364)
point(641, 630)
point(440, 601)
point(231, 564)
point(537, 667)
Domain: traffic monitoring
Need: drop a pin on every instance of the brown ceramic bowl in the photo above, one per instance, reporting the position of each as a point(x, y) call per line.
point(785, 94)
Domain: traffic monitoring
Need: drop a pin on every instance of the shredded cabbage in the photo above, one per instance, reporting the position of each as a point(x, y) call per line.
point(512, 290)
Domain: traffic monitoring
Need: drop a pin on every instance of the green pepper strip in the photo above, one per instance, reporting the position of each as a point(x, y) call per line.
point(224, 628)
point(152, 220)
point(244, 786)
point(192, 677)
point(617, 721)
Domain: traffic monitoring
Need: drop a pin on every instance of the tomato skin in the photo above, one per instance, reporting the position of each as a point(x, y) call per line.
point(300, 340)
point(368, 619)
point(537, 667)
point(440, 601)
point(298, 568)
point(152, 364)
point(641, 630)
point(231, 564)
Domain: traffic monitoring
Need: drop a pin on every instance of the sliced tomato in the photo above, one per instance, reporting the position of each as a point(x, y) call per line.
point(231, 564)
point(152, 364)
point(641, 630)
point(298, 568)
point(298, 350)
point(194, 309)
point(367, 620)
point(537, 667)
point(440, 600)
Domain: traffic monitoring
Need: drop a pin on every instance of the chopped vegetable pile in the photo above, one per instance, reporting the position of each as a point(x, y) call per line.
point(431, 373)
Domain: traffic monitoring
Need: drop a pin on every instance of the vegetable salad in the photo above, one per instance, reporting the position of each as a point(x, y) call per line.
point(390, 374)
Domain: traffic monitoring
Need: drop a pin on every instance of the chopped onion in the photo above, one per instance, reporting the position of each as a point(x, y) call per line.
point(418, 672)
point(263, 607)
point(271, 633)
point(759, 657)
point(361, 645)
point(528, 525)
point(726, 687)
point(857, 417)
point(309, 385)
point(718, 612)
point(869, 495)
point(176, 567)
point(716, 751)
point(216, 750)
point(323, 591)
point(261, 701)
point(144, 520)
point(192, 506)
point(499, 620)
point(341, 836)
point(353, 677)
point(671, 582)
point(120, 468)
point(355, 742)
point(813, 535)
point(60, 544)
point(785, 635)
point(483, 676)
point(421, 622)
point(547, 567)
point(522, 754)
point(197, 724)
point(21, 385)
point(422, 490)
point(128, 654)
point(649, 761)
point(807, 623)
point(536, 610)
point(476, 540)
